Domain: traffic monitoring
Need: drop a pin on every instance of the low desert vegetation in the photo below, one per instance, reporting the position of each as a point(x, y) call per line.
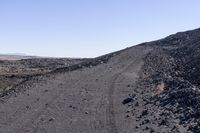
point(6, 88)
point(1, 89)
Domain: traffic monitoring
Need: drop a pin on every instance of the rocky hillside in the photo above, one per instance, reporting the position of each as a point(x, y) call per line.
point(171, 71)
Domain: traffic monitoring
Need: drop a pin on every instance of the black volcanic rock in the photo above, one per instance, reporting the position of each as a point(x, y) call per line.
point(175, 61)
point(127, 100)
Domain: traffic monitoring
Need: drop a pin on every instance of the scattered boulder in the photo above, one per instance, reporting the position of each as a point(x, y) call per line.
point(127, 100)
point(144, 112)
point(51, 119)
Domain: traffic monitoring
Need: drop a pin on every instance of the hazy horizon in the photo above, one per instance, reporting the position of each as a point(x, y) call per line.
point(90, 28)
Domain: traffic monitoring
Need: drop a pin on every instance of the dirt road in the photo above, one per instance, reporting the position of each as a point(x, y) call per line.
point(87, 100)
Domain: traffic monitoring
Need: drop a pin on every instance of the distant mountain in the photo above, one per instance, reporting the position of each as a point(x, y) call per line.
point(15, 56)
point(22, 54)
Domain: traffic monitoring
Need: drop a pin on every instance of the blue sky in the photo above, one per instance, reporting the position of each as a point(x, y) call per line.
point(89, 28)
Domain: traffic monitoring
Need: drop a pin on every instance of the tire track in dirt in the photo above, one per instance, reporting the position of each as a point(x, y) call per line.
point(111, 120)
point(135, 63)
point(110, 110)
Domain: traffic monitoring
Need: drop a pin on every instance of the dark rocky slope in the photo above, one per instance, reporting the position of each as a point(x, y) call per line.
point(172, 72)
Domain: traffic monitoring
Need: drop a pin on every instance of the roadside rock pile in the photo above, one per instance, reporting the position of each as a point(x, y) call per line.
point(175, 63)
